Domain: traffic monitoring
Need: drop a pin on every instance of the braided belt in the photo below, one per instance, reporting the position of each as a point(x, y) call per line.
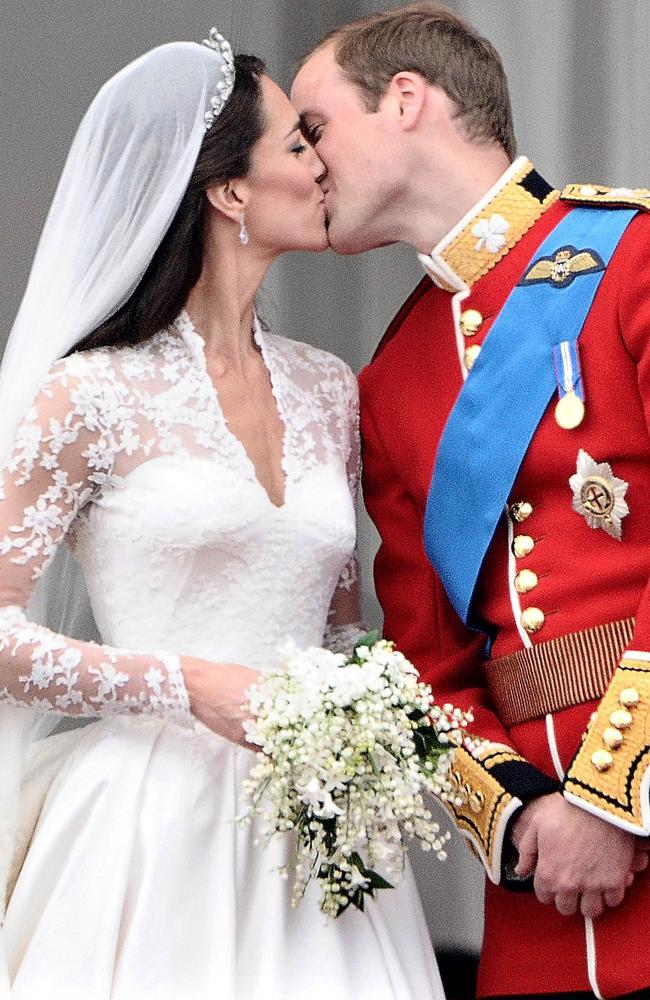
point(556, 674)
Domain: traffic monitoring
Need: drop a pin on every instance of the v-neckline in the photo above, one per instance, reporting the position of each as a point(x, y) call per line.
point(196, 345)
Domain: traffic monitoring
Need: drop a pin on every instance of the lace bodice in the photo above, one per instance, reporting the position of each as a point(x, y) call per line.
point(127, 456)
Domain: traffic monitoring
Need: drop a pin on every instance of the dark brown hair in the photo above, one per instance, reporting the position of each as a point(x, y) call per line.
point(176, 266)
point(428, 39)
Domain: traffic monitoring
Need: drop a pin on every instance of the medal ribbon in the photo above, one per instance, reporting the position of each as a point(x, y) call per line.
point(568, 375)
point(502, 402)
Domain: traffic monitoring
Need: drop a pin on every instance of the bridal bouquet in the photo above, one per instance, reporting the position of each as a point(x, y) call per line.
point(348, 746)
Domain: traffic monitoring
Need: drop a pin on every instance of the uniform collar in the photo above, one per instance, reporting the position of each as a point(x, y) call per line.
point(490, 229)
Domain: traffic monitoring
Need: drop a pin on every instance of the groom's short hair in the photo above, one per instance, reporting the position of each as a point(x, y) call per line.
point(429, 39)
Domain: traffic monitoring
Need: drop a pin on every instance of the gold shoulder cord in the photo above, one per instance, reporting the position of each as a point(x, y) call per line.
point(600, 194)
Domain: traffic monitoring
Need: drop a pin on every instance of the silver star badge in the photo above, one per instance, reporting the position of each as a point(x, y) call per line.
point(598, 495)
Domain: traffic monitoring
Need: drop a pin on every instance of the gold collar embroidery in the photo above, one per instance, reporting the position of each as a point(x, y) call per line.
point(491, 229)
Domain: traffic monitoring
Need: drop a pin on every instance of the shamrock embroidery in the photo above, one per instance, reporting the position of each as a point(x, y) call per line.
point(490, 233)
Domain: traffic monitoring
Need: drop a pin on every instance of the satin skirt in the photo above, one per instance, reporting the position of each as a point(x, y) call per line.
point(138, 882)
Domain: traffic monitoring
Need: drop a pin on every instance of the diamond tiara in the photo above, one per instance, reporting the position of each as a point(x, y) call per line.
point(216, 41)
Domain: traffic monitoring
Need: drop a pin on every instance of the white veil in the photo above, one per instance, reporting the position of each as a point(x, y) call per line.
point(126, 173)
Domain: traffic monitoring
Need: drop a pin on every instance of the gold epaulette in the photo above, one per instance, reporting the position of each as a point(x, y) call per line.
point(482, 806)
point(600, 194)
point(610, 774)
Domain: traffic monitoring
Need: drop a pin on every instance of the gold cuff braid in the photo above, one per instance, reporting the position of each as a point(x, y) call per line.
point(610, 774)
point(482, 806)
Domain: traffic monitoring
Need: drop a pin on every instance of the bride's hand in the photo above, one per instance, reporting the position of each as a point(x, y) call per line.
point(217, 692)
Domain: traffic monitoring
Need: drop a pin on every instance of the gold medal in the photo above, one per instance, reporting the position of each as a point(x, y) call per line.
point(569, 411)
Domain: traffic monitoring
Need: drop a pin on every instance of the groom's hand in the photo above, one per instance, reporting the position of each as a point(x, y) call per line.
point(580, 861)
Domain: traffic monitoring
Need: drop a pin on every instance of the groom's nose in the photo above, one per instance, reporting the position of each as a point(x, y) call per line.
point(318, 168)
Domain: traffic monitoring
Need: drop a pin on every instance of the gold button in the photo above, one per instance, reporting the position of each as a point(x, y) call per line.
point(621, 718)
point(602, 760)
point(613, 738)
point(522, 546)
point(471, 321)
point(532, 619)
point(476, 801)
point(525, 581)
point(629, 697)
point(520, 511)
point(470, 356)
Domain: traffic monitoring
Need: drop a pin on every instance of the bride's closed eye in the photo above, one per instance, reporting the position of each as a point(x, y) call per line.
point(299, 148)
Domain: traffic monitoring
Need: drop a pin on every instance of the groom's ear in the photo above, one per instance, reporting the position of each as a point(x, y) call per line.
point(231, 198)
point(405, 99)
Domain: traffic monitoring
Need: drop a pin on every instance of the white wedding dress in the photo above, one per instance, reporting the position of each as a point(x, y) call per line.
point(132, 880)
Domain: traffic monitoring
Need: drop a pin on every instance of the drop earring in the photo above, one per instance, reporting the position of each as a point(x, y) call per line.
point(243, 232)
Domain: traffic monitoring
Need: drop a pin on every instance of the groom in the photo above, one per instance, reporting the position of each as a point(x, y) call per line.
point(505, 424)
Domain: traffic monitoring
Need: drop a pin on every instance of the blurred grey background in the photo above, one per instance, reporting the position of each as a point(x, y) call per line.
point(580, 87)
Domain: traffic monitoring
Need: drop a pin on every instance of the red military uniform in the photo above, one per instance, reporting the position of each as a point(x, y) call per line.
point(548, 574)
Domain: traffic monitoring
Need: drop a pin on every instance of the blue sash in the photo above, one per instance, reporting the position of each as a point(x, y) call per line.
point(503, 400)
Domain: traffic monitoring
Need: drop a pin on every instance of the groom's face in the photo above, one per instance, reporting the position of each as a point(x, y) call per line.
point(352, 144)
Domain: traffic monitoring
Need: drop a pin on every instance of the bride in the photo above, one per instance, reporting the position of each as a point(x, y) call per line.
point(202, 471)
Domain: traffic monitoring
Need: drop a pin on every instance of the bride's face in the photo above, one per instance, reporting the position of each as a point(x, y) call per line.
point(285, 206)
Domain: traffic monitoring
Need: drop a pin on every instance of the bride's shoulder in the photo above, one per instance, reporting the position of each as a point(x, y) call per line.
point(85, 379)
point(72, 375)
point(113, 364)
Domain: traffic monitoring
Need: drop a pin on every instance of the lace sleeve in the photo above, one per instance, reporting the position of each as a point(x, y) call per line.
point(344, 624)
point(62, 460)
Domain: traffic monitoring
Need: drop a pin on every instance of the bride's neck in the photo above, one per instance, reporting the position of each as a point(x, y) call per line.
point(222, 301)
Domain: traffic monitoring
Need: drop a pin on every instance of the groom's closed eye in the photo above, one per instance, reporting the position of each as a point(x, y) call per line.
point(312, 133)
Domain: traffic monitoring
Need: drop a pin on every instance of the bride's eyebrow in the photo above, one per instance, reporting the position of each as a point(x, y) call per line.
point(297, 127)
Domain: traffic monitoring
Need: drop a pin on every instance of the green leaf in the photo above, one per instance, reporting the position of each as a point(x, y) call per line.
point(426, 742)
point(357, 861)
point(375, 880)
point(369, 639)
point(416, 715)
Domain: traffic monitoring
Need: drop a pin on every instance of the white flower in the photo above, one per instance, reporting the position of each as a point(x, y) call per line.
point(340, 768)
point(65, 701)
point(130, 442)
point(154, 678)
point(319, 797)
point(69, 659)
point(98, 455)
point(490, 233)
point(170, 373)
point(49, 461)
point(109, 680)
point(42, 518)
point(41, 676)
point(350, 683)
